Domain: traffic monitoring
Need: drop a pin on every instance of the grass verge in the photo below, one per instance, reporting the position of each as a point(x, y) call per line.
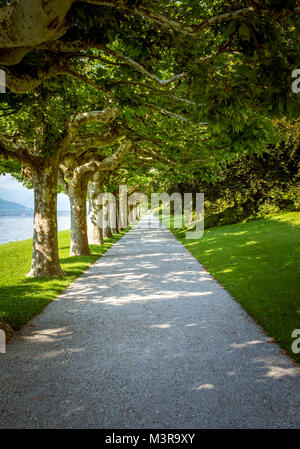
point(22, 298)
point(258, 263)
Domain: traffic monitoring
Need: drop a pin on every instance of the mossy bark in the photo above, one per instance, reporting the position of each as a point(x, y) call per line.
point(107, 232)
point(77, 193)
point(95, 188)
point(45, 259)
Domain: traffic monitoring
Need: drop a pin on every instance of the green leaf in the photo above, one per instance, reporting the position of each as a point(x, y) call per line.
point(244, 31)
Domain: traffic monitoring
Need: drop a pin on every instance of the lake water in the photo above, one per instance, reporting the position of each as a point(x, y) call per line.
point(17, 228)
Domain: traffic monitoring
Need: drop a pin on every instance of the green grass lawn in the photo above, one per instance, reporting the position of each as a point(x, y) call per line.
point(22, 298)
point(258, 262)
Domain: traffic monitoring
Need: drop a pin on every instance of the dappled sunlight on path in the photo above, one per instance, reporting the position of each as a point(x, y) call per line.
point(146, 338)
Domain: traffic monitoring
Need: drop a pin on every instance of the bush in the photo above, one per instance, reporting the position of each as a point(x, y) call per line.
point(267, 208)
point(231, 215)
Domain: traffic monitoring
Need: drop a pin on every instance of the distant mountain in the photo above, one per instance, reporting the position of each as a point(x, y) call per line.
point(11, 205)
point(26, 196)
point(16, 192)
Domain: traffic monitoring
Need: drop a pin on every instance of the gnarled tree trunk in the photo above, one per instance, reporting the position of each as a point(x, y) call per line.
point(95, 188)
point(45, 260)
point(77, 193)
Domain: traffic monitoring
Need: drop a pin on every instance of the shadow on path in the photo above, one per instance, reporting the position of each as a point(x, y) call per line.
point(146, 338)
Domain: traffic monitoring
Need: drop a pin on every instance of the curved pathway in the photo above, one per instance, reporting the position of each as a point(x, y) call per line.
point(146, 338)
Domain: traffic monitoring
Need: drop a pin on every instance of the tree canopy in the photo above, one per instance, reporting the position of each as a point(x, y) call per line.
point(137, 87)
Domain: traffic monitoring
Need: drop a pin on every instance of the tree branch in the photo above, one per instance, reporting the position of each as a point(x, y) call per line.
point(177, 116)
point(21, 83)
point(16, 149)
point(77, 46)
point(152, 152)
point(81, 118)
point(93, 141)
point(27, 24)
point(193, 29)
point(62, 181)
point(107, 164)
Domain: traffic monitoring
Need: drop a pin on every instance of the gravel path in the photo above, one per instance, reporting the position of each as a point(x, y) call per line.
point(146, 338)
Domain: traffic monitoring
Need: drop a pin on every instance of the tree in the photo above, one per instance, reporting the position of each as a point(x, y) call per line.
point(77, 186)
point(250, 185)
point(95, 188)
point(196, 82)
point(218, 52)
point(40, 143)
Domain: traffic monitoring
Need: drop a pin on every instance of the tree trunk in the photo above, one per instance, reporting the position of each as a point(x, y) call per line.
point(132, 214)
point(123, 208)
point(45, 259)
point(107, 228)
point(110, 216)
point(95, 188)
point(77, 194)
point(117, 217)
point(114, 226)
point(107, 232)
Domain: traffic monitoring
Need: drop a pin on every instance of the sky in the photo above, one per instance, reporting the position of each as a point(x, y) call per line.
point(12, 190)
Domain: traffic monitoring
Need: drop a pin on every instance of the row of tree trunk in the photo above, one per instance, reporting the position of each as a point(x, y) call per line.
point(85, 230)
